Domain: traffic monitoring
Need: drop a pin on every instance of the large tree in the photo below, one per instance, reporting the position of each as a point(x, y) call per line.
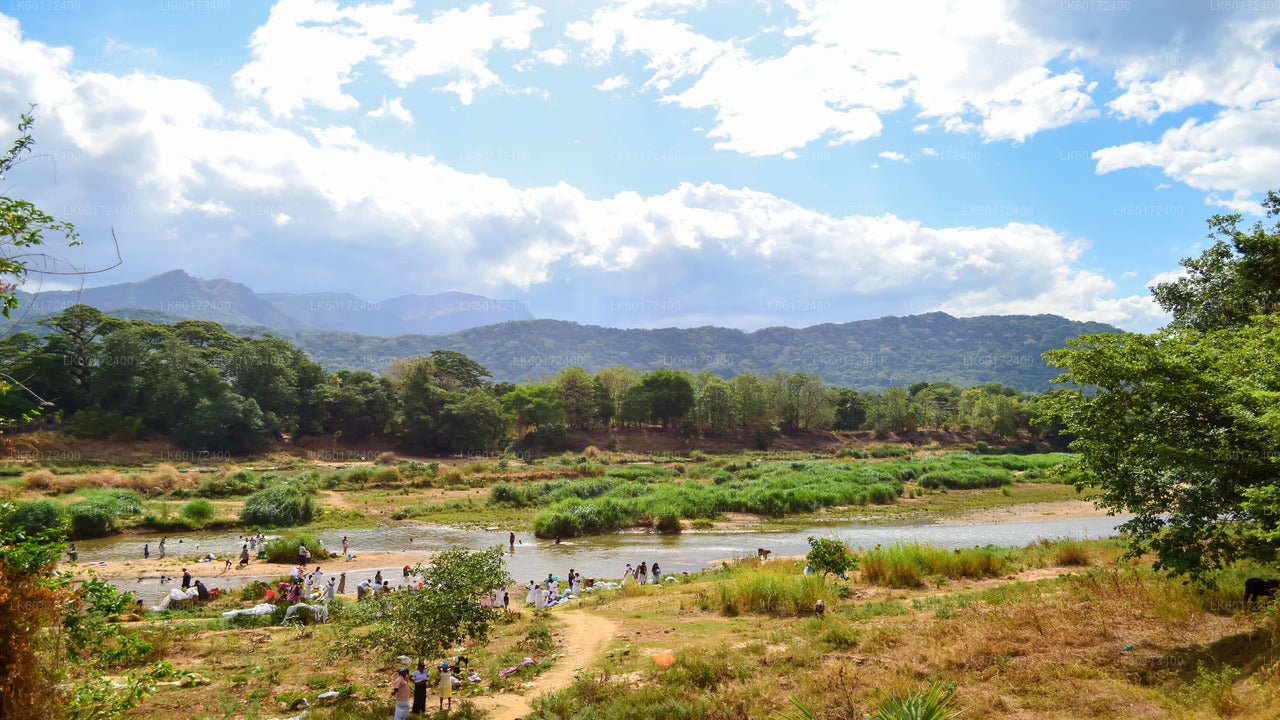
point(1179, 427)
point(429, 621)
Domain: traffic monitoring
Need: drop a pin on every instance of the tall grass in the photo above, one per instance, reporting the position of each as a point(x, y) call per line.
point(908, 564)
point(775, 588)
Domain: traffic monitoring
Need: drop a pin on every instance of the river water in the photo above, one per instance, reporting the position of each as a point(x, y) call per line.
point(596, 556)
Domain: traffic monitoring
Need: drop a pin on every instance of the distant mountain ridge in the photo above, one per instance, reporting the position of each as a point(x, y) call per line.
point(342, 331)
point(864, 354)
point(230, 303)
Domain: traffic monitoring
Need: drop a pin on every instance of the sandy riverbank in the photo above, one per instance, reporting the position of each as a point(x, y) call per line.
point(1028, 512)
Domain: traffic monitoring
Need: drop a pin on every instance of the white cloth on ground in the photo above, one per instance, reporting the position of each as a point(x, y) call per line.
point(174, 596)
point(259, 609)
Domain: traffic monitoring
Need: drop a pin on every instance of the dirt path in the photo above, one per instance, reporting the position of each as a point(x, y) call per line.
point(584, 637)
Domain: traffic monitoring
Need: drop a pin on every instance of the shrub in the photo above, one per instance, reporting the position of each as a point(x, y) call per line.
point(934, 704)
point(241, 482)
point(34, 517)
point(386, 458)
point(278, 506)
point(284, 549)
point(199, 511)
point(91, 519)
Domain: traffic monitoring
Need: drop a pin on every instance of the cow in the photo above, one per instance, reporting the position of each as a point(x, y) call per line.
point(763, 554)
point(588, 582)
point(1258, 588)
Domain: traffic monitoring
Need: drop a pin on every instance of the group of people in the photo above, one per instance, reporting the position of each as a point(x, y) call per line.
point(548, 593)
point(409, 687)
point(641, 574)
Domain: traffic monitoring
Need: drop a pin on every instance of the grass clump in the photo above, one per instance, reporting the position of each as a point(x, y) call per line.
point(284, 549)
point(279, 506)
point(770, 589)
point(908, 564)
point(966, 479)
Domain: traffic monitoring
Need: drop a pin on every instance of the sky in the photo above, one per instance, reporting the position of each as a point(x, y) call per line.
point(653, 163)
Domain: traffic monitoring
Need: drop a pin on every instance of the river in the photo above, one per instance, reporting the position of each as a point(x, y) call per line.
point(596, 556)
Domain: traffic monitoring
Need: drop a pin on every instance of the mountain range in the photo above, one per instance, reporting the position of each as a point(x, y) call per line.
point(230, 303)
point(344, 332)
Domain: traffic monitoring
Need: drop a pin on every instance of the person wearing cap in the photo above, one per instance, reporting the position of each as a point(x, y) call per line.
point(446, 684)
point(401, 692)
point(420, 678)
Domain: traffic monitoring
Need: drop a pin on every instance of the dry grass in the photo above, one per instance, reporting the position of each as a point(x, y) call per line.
point(1112, 641)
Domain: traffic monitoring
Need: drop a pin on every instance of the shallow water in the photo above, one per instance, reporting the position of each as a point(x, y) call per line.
point(597, 556)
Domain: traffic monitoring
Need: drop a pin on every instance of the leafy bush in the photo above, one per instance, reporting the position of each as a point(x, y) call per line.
point(199, 511)
point(91, 519)
point(829, 557)
point(34, 517)
point(279, 506)
point(241, 482)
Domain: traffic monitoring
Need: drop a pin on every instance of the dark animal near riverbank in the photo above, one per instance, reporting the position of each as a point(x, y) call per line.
point(1258, 588)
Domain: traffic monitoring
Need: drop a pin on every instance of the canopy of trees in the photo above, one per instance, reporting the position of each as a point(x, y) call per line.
point(1183, 426)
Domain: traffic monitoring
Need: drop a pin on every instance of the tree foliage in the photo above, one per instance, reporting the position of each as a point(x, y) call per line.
point(829, 557)
point(428, 621)
point(1179, 427)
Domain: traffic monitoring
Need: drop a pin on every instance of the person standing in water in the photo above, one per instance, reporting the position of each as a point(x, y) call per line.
point(511, 540)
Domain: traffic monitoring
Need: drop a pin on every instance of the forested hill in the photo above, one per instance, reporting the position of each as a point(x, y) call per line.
point(867, 354)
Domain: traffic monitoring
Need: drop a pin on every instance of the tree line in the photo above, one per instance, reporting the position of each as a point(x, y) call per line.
point(210, 389)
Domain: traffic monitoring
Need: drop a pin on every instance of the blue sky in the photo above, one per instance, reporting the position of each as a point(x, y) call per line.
point(654, 163)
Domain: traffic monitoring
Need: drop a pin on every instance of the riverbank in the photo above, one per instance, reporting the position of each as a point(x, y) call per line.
point(1054, 631)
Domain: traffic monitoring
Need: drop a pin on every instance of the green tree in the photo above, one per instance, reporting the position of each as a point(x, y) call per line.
point(534, 406)
point(670, 394)
point(455, 371)
point(357, 404)
point(429, 621)
point(577, 395)
point(850, 409)
point(715, 406)
point(753, 400)
point(1178, 427)
point(1235, 279)
point(264, 369)
point(227, 422)
point(475, 422)
point(829, 557)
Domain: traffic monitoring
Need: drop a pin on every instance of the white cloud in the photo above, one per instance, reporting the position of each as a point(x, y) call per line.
point(1163, 186)
point(928, 152)
point(970, 66)
point(194, 169)
point(308, 50)
point(1237, 152)
point(890, 155)
point(393, 108)
point(112, 46)
point(1128, 274)
point(616, 82)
